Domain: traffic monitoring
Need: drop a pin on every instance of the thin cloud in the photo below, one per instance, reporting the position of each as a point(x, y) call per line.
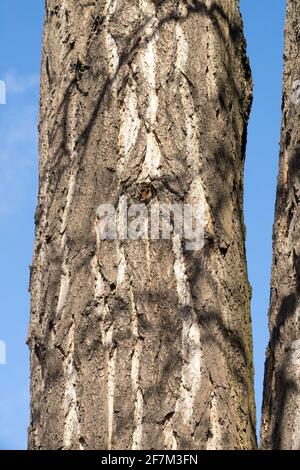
point(20, 83)
point(18, 159)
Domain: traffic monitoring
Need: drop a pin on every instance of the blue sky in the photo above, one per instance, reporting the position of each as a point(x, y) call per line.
point(264, 29)
point(20, 35)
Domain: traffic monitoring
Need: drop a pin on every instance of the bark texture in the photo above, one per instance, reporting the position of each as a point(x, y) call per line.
point(141, 344)
point(281, 404)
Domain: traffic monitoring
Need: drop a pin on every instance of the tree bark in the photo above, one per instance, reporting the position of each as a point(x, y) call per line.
point(281, 405)
point(141, 344)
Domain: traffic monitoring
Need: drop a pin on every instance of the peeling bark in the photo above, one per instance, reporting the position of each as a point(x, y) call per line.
point(281, 405)
point(141, 344)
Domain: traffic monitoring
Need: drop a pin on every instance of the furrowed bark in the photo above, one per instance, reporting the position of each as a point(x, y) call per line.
point(141, 344)
point(281, 405)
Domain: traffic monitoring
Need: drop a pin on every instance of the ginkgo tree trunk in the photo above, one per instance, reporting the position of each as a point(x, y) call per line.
point(281, 404)
point(141, 343)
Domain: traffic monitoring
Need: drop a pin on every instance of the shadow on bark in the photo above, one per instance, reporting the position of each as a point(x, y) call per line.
point(133, 45)
point(208, 319)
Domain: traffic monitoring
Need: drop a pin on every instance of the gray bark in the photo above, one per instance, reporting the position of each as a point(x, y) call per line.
point(281, 404)
point(141, 344)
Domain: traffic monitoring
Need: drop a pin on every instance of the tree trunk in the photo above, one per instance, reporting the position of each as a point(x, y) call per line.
point(281, 404)
point(141, 344)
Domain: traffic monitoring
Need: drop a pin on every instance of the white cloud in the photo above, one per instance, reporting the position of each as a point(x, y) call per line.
point(18, 142)
point(18, 158)
point(20, 83)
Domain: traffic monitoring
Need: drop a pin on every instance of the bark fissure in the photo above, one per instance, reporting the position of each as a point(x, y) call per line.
point(135, 377)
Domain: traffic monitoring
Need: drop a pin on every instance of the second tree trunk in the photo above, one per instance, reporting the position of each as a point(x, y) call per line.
point(281, 405)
